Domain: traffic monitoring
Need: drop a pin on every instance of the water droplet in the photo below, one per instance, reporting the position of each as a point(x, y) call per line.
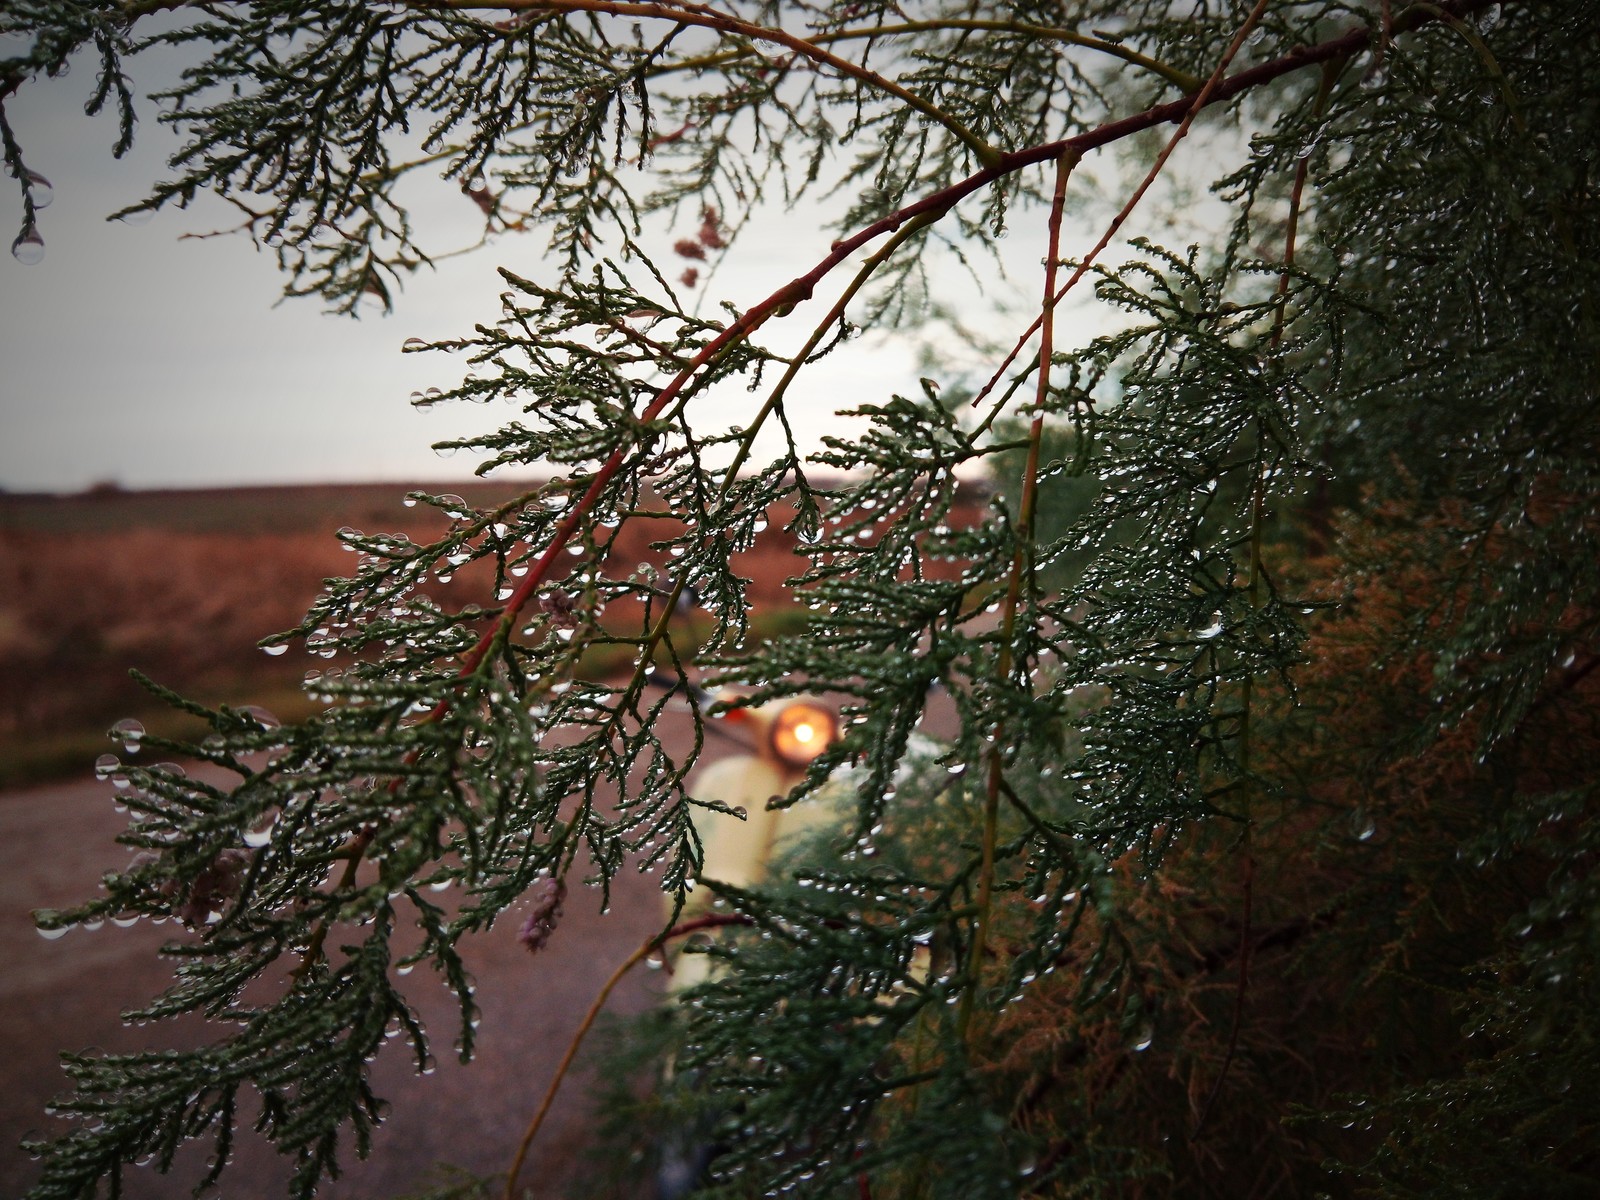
point(51, 935)
point(261, 834)
point(28, 249)
point(106, 766)
point(280, 648)
point(1376, 76)
point(129, 732)
point(261, 716)
point(741, 812)
point(409, 502)
point(1142, 1039)
point(412, 345)
point(41, 191)
point(1488, 18)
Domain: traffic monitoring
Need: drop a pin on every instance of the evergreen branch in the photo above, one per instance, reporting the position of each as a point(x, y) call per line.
point(1209, 94)
point(774, 402)
point(708, 18)
point(1021, 568)
point(1485, 55)
point(1172, 74)
point(1133, 680)
point(1330, 75)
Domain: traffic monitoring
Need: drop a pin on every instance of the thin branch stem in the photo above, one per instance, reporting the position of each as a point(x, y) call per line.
point(1330, 75)
point(1021, 567)
point(1200, 101)
point(710, 921)
point(1049, 33)
point(709, 18)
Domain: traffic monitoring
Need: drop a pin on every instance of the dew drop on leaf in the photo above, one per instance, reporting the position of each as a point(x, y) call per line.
point(130, 733)
point(41, 191)
point(261, 716)
point(28, 249)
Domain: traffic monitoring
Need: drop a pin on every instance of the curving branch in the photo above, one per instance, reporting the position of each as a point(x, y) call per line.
point(931, 207)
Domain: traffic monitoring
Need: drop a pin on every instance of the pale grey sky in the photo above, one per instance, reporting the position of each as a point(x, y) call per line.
point(134, 356)
point(131, 355)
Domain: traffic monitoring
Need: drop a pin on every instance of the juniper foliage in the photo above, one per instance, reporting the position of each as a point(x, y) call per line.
point(1400, 311)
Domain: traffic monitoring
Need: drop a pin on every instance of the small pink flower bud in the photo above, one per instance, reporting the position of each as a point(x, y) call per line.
point(546, 897)
point(213, 888)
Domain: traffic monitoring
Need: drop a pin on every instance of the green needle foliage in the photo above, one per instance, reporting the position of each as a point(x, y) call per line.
point(1261, 861)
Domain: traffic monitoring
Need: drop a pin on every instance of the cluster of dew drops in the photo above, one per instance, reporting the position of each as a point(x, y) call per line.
point(110, 768)
point(28, 248)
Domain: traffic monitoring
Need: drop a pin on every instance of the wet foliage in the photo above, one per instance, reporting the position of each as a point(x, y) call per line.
point(1270, 660)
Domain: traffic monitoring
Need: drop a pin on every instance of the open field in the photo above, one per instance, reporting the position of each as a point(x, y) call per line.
point(181, 585)
point(178, 584)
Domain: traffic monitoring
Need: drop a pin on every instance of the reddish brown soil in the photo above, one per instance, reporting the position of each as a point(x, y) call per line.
point(183, 584)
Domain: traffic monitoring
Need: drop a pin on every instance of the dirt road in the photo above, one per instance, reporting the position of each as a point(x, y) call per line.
point(56, 842)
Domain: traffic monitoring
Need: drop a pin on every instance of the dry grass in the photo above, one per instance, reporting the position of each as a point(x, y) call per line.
point(178, 584)
point(182, 585)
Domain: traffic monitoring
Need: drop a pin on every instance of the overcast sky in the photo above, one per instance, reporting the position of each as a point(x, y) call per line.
point(132, 355)
point(135, 356)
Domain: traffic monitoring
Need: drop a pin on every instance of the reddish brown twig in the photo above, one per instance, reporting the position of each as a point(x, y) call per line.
point(698, 924)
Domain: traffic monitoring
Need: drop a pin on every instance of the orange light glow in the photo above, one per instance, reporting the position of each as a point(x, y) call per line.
point(800, 732)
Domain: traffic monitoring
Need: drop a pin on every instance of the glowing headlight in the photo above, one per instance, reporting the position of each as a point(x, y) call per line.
point(800, 732)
